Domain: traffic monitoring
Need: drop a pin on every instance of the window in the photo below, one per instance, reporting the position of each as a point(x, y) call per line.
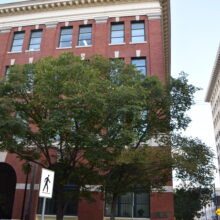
point(17, 42)
point(117, 33)
point(51, 206)
point(7, 71)
point(140, 64)
point(85, 35)
point(117, 65)
point(137, 32)
point(35, 40)
point(66, 37)
point(132, 205)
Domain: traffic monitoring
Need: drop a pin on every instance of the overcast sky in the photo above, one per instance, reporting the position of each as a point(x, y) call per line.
point(195, 40)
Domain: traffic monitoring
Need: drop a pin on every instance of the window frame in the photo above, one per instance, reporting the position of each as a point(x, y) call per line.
point(71, 42)
point(79, 35)
point(111, 32)
point(13, 41)
point(137, 67)
point(7, 70)
point(144, 30)
point(29, 45)
point(133, 204)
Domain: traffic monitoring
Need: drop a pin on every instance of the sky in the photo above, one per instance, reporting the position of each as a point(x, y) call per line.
point(194, 41)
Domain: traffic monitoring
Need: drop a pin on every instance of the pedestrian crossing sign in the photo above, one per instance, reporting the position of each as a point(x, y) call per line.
point(46, 183)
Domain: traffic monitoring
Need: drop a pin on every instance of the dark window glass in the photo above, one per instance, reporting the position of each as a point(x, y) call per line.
point(51, 207)
point(125, 205)
point(137, 32)
point(35, 40)
point(7, 71)
point(140, 64)
point(117, 33)
point(85, 35)
point(131, 205)
point(17, 42)
point(141, 205)
point(66, 34)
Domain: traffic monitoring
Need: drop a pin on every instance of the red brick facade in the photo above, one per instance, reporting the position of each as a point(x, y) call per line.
point(152, 50)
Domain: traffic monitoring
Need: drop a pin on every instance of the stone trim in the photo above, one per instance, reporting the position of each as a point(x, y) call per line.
point(39, 5)
point(51, 24)
point(5, 30)
point(22, 186)
point(83, 13)
point(101, 20)
point(93, 188)
point(154, 17)
point(165, 189)
point(3, 156)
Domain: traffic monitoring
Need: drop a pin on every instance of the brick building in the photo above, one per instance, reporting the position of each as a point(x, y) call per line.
point(137, 31)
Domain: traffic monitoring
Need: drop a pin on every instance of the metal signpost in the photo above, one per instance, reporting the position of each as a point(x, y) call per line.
point(46, 187)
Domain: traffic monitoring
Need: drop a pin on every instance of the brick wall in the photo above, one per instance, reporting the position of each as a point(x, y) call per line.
point(152, 50)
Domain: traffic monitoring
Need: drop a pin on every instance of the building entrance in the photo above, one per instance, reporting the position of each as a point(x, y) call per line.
point(7, 190)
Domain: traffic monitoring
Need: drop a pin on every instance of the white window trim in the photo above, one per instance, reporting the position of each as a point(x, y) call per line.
point(83, 46)
point(110, 44)
point(32, 50)
point(10, 52)
point(142, 42)
point(63, 48)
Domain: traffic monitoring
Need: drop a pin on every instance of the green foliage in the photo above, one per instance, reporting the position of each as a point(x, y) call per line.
point(189, 202)
point(75, 117)
point(181, 100)
point(146, 167)
point(93, 122)
point(193, 162)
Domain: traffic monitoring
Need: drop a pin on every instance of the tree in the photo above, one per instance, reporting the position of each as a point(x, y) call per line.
point(189, 202)
point(195, 167)
point(151, 169)
point(71, 116)
point(92, 120)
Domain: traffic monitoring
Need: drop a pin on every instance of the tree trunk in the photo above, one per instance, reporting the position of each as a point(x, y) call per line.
point(60, 201)
point(113, 206)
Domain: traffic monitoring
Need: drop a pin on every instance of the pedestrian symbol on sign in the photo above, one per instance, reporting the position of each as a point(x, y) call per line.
point(47, 180)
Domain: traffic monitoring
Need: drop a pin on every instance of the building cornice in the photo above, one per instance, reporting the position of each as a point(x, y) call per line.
point(166, 34)
point(214, 77)
point(123, 8)
point(30, 6)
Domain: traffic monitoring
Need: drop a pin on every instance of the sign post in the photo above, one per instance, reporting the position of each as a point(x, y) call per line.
point(43, 209)
point(46, 187)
